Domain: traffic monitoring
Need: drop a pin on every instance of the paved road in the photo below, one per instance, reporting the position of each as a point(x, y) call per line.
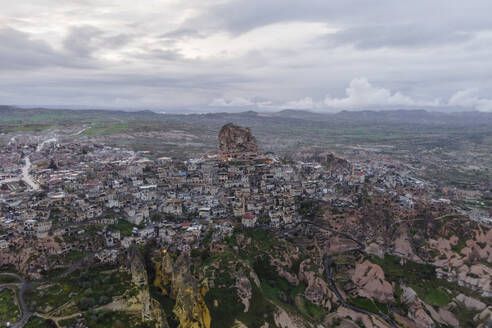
point(81, 131)
point(25, 176)
point(44, 142)
point(24, 285)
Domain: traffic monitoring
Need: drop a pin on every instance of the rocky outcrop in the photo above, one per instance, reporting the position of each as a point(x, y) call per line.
point(369, 321)
point(236, 142)
point(448, 318)
point(175, 280)
point(416, 309)
point(244, 291)
point(464, 266)
point(404, 321)
point(433, 313)
point(317, 290)
point(290, 277)
point(370, 281)
point(485, 317)
point(476, 277)
point(284, 263)
point(470, 303)
point(403, 246)
point(142, 302)
point(284, 319)
point(375, 249)
point(164, 275)
point(190, 308)
point(314, 154)
point(338, 244)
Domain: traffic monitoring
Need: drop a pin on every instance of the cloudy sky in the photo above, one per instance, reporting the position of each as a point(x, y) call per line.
point(209, 55)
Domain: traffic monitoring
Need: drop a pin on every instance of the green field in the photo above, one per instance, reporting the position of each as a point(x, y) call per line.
point(37, 322)
point(124, 227)
point(420, 277)
point(114, 319)
point(369, 305)
point(87, 288)
point(9, 311)
point(4, 279)
point(106, 129)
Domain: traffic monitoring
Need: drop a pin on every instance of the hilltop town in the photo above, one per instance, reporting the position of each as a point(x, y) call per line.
point(339, 230)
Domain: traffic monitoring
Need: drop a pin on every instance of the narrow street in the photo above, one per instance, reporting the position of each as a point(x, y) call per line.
point(26, 177)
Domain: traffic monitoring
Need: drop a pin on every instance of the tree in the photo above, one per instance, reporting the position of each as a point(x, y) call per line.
point(53, 165)
point(86, 302)
point(103, 300)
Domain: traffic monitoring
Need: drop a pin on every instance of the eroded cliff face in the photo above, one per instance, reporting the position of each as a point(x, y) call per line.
point(164, 275)
point(175, 279)
point(142, 302)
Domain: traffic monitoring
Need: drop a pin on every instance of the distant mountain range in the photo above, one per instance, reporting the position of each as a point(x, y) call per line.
point(412, 117)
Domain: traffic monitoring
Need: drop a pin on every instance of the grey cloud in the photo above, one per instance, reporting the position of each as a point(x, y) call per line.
point(182, 33)
point(128, 90)
point(366, 23)
point(109, 82)
point(170, 55)
point(400, 35)
point(18, 51)
point(423, 49)
point(79, 40)
point(116, 41)
point(83, 41)
point(241, 16)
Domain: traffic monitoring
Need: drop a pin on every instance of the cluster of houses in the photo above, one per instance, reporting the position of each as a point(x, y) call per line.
point(96, 199)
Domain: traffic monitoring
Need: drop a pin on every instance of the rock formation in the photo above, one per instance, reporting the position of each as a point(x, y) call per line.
point(164, 275)
point(416, 309)
point(148, 307)
point(284, 319)
point(175, 280)
point(365, 320)
point(370, 281)
point(470, 303)
point(317, 290)
point(244, 291)
point(237, 142)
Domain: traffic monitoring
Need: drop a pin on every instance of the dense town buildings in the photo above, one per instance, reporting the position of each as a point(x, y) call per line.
point(94, 201)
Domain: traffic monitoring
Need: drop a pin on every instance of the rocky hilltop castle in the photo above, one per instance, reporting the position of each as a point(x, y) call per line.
point(237, 143)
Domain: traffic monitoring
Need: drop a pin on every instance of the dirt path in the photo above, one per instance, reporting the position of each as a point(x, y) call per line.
point(57, 319)
point(434, 219)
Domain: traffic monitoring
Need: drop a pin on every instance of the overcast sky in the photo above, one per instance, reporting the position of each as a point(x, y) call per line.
point(210, 55)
